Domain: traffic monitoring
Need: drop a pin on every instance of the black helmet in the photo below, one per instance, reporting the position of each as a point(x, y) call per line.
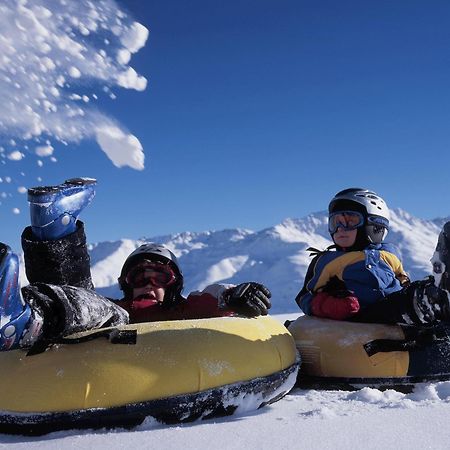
point(155, 253)
point(372, 207)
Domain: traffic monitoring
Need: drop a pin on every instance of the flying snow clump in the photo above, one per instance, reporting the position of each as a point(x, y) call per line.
point(56, 58)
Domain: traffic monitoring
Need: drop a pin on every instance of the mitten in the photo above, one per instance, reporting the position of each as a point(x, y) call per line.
point(337, 308)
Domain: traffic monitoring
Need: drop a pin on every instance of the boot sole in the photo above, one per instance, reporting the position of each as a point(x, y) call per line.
point(43, 194)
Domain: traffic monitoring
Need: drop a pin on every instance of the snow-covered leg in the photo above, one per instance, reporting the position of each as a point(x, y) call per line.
point(430, 302)
point(69, 309)
point(63, 261)
point(54, 209)
point(16, 317)
point(441, 258)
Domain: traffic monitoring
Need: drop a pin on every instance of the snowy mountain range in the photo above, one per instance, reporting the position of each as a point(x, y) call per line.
point(275, 256)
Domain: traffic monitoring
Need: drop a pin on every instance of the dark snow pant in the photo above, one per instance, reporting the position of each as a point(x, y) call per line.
point(394, 308)
point(443, 248)
point(420, 298)
point(64, 261)
point(61, 288)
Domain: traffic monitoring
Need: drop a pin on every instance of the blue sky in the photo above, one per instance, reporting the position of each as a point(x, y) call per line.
point(259, 110)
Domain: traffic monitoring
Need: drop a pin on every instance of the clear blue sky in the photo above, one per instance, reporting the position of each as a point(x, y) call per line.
point(259, 110)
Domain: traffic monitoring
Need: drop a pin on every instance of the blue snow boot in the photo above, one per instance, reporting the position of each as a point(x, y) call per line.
point(14, 313)
point(54, 209)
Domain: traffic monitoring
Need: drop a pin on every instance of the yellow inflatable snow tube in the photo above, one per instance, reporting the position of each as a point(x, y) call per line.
point(365, 354)
point(332, 348)
point(168, 359)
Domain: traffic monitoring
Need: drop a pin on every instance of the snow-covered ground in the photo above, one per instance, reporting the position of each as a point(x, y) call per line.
point(366, 419)
point(307, 419)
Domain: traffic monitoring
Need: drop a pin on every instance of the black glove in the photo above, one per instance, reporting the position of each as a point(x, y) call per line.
point(249, 299)
point(337, 288)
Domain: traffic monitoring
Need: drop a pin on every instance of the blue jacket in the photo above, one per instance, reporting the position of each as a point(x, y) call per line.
point(371, 274)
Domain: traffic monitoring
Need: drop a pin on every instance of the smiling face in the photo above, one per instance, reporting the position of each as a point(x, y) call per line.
point(344, 238)
point(149, 281)
point(149, 294)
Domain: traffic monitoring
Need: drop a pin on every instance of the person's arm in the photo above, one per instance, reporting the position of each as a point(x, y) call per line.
point(306, 294)
point(333, 301)
point(333, 307)
point(250, 299)
point(389, 256)
point(402, 276)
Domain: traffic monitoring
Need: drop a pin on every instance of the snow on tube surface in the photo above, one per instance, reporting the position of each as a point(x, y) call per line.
point(175, 371)
point(349, 354)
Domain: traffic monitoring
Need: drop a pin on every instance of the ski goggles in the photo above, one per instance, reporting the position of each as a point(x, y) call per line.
point(347, 220)
point(159, 275)
point(350, 220)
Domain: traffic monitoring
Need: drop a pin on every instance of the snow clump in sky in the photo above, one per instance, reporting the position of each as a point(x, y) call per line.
point(53, 54)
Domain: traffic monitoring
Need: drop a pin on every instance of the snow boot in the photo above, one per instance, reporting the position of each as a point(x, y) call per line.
point(430, 302)
point(14, 313)
point(54, 209)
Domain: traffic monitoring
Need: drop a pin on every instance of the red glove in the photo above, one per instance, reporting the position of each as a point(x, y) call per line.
point(337, 308)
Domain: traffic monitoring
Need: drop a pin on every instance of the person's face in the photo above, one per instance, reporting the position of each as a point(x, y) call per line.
point(149, 292)
point(149, 282)
point(345, 238)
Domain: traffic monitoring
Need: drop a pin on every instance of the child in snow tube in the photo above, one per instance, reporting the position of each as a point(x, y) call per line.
point(361, 278)
point(60, 299)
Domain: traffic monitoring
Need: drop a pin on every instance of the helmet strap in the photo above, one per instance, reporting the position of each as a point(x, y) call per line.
point(375, 234)
point(172, 296)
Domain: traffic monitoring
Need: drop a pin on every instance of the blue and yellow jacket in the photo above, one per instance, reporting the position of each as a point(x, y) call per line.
point(371, 274)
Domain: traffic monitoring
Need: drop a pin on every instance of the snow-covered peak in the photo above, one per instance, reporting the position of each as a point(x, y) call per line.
point(276, 256)
point(302, 230)
point(415, 238)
